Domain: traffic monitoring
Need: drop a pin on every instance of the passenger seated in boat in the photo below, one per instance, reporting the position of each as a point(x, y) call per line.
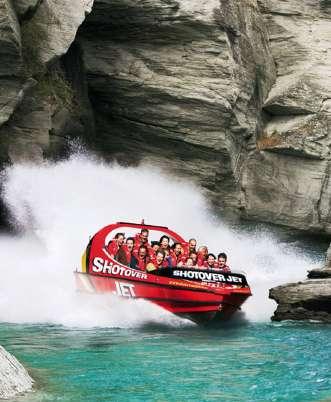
point(175, 258)
point(202, 255)
point(164, 244)
point(141, 239)
point(115, 244)
point(159, 262)
point(190, 247)
point(189, 263)
point(222, 259)
point(153, 250)
point(125, 253)
point(140, 260)
point(211, 261)
point(155, 246)
point(194, 257)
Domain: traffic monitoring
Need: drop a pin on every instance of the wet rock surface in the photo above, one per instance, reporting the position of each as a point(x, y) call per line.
point(307, 300)
point(14, 379)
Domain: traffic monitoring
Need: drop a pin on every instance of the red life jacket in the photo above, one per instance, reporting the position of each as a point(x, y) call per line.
point(152, 256)
point(175, 259)
point(136, 249)
point(141, 263)
point(187, 251)
point(127, 252)
point(113, 248)
point(138, 242)
point(201, 260)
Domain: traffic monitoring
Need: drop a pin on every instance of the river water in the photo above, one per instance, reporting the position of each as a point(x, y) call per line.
point(90, 348)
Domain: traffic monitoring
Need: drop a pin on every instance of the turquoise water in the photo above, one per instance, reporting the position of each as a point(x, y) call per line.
point(166, 362)
point(246, 362)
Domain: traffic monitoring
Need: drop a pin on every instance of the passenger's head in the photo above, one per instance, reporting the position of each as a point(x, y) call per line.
point(194, 256)
point(119, 237)
point(155, 245)
point(160, 256)
point(130, 243)
point(192, 244)
point(211, 259)
point(164, 242)
point(222, 258)
point(142, 252)
point(189, 262)
point(203, 250)
point(177, 248)
point(144, 235)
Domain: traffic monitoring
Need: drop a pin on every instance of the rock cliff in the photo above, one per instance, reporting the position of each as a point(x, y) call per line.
point(287, 177)
point(180, 83)
point(41, 100)
point(307, 300)
point(14, 379)
point(235, 95)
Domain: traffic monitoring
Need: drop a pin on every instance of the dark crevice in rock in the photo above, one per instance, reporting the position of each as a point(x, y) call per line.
point(322, 304)
point(28, 13)
point(319, 273)
point(324, 185)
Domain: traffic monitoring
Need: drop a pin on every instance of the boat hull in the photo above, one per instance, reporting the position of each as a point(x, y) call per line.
point(201, 303)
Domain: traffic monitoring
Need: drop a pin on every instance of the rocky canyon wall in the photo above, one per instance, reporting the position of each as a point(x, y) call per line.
point(286, 179)
point(235, 95)
point(39, 100)
point(180, 83)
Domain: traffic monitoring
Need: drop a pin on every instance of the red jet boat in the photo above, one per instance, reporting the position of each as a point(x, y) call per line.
point(198, 294)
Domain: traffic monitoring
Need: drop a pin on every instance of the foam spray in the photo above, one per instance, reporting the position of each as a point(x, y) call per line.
point(58, 205)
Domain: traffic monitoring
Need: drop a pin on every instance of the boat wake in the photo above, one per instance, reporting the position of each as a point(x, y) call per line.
point(57, 206)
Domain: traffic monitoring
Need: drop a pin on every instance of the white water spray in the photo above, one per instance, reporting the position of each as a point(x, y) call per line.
point(59, 205)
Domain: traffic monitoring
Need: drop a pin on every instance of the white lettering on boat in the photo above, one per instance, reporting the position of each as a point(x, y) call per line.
point(206, 276)
point(124, 289)
point(97, 264)
point(108, 267)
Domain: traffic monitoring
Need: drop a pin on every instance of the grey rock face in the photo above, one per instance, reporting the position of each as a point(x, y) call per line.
point(233, 94)
point(241, 88)
point(191, 73)
point(30, 127)
point(54, 25)
point(10, 40)
point(307, 300)
point(22, 7)
point(11, 93)
point(42, 103)
point(14, 379)
point(279, 188)
point(292, 187)
point(10, 61)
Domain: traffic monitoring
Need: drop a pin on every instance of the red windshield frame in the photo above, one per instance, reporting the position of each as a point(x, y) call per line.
point(107, 229)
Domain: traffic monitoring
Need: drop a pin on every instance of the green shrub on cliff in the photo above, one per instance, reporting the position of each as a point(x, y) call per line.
point(31, 35)
point(56, 89)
